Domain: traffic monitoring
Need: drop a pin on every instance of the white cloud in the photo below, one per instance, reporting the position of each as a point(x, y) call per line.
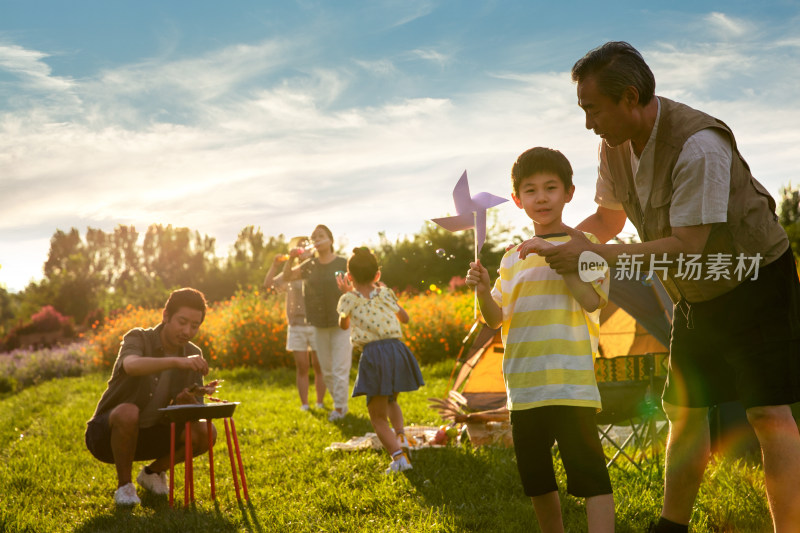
point(792, 42)
point(726, 26)
point(690, 69)
point(381, 67)
point(179, 90)
point(29, 65)
point(206, 77)
point(412, 10)
point(431, 55)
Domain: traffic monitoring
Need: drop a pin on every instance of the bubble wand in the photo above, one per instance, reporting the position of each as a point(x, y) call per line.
point(470, 213)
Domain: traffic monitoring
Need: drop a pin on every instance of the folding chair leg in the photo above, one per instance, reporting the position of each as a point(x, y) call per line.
point(620, 448)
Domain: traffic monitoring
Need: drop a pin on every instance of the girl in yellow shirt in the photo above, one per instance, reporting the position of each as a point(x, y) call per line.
point(387, 367)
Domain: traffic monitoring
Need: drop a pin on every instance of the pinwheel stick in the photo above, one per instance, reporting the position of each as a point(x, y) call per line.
point(475, 238)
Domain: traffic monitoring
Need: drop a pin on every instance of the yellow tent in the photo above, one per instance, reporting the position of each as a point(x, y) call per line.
point(621, 334)
point(478, 370)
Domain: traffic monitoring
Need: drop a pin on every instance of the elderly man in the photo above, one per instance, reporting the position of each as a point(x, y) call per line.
point(676, 173)
point(155, 367)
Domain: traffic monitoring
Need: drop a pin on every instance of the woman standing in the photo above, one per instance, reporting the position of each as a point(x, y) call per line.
point(299, 333)
point(321, 294)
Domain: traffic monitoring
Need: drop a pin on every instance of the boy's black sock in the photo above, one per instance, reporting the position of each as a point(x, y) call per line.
point(668, 526)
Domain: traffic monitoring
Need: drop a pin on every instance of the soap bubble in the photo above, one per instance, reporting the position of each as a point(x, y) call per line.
point(441, 252)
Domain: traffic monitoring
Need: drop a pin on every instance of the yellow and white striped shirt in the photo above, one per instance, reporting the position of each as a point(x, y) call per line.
point(550, 340)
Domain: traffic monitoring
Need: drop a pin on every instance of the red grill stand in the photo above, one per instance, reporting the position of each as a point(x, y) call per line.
point(187, 414)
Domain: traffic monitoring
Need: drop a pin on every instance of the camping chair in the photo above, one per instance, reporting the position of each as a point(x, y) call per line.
point(631, 369)
point(629, 387)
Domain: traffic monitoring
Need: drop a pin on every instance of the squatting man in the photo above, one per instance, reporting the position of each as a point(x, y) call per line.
point(155, 367)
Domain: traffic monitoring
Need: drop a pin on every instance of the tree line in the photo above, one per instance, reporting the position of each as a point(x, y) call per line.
point(88, 276)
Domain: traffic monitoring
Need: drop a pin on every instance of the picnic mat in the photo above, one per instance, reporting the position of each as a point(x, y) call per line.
point(418, 437)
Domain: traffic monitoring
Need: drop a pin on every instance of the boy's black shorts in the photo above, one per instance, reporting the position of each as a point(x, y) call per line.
point(743, 345)
point(574, 428)
point(153, 442)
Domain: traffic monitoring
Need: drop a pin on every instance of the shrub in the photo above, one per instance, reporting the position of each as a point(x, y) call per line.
point(105, 340)
point(247, 330)
point(46, 320)
point(23, 368)
point(438, 323)
point(97, 317)
point(250, 329)
point(7, 383)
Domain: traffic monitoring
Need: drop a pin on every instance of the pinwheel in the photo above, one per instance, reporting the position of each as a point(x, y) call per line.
point(470, 211)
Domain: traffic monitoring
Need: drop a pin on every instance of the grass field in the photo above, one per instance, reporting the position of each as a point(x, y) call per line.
point(50, 483)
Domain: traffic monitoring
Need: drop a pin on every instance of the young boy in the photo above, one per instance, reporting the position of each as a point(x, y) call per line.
point(550, 326)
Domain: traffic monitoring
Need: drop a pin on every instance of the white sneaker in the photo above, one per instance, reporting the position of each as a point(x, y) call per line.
point(320, 406)
point(155, 483)
point(406, 442)
point(400, 464)
point(336, 415)
point(126, 495)
point(304, 407)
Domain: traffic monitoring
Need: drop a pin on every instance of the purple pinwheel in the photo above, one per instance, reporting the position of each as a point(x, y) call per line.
point(471, 211)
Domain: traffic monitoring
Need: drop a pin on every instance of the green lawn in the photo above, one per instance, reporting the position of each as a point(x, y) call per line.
point(49, 482)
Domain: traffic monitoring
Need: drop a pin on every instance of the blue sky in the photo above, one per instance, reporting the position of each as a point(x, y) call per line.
point(359, 115)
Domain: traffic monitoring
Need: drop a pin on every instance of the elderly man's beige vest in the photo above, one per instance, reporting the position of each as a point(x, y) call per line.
point(752, 226)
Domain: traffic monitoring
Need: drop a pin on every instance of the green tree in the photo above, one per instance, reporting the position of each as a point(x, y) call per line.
point(247, 262)
point(106, 271)
point(435, 256)
point(124, 267)
point(8, 304)
point(177, 256)
point(74, 275)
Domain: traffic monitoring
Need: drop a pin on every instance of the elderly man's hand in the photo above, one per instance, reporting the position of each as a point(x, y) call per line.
point(564, 258)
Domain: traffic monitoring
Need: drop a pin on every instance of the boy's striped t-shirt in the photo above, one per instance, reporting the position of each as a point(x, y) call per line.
point(550, 340)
